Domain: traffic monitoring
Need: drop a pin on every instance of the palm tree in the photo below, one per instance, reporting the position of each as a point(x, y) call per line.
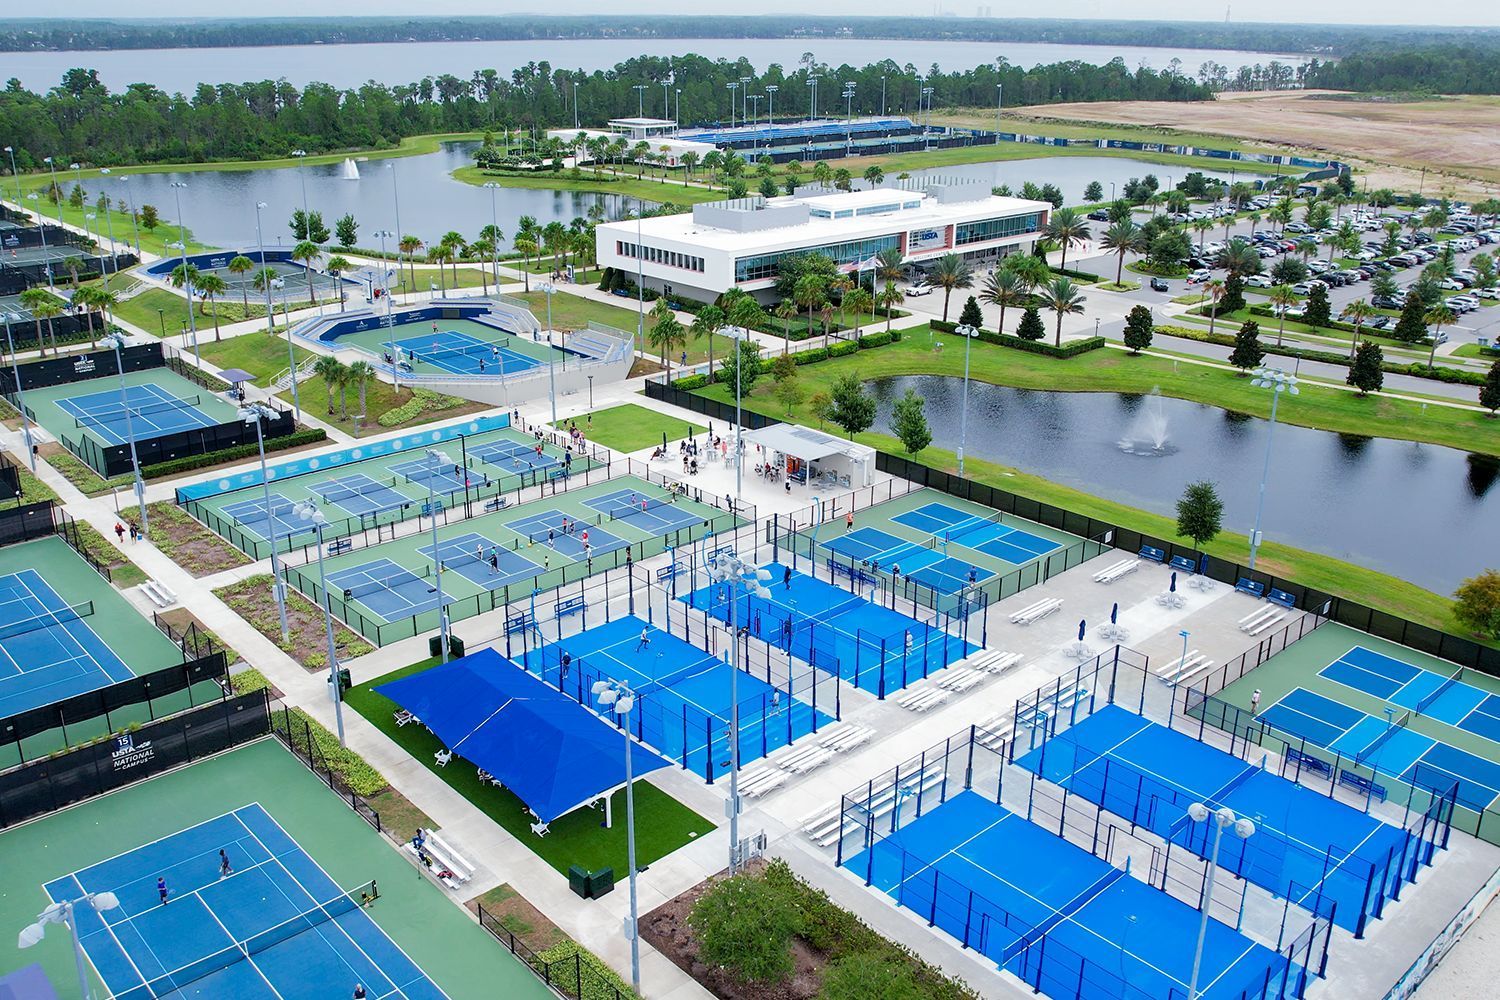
point(1240, 258)
point(706, 325)
point(825, 315)
point(1121, 238)
point(712, 160)
point(809, 291)
point(184, 276)
point(86, 298)
point(1282, 299)
point(890, 297)
point(873, 176)
point(31, 300)
point(1202, 227)
point(1215, 290)
point(666, 334)
point(689, 160)
point(951, 272)
point(239, 265)
point(306, 253)
point(210, 286)
point(822, 173)
point(1356, 312)
point(888, 264)
point(337, 265)
point(440, 255)
point(331, 370)
point(1001, 288)
point(555, 236)
point(360, 374)
point(1437, 316)
point(453, 242)
point(485, 250)
point(409, 245)
point(264, 280)
point(1281, 214)
point(1066, 227)
point(840, 286)
point(786, 311)
point(45, 309)
point(526, 247)
point(1032, 272)
point(857, 300)
point(1063, 297)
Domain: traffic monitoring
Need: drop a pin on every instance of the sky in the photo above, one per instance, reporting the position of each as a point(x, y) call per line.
point(1436, 12)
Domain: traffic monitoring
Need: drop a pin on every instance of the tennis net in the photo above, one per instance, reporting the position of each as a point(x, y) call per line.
point(1383, 738)
point(1426, 703)
point(972, 526)
point(1069, 908)
point(640, 507)
point(49, 619)
point(893, 557)
point(1235, 782)
point(467, 351)
point(333, 494)
point(112, 414)
point(322, 913)
point(390, 582)
point(258, 514)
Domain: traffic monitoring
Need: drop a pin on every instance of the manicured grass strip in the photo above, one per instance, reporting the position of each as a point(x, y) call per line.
point(646, 189)
point(662, 824)
point(629, 427)
point(261, 355)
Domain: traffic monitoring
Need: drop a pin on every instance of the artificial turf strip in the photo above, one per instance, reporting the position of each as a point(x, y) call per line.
point(662, 823)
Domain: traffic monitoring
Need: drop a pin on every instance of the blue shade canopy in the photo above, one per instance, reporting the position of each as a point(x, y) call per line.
point(553, 753)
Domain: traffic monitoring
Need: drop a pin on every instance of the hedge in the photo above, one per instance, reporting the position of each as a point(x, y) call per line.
point(1261, 309)
point(352, 770)
point(1071, 349)
point(604, 984)
point(842, 349)
point(190, 462)
point(1085, 276)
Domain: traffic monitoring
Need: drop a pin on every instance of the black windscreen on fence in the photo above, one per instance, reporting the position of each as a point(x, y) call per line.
point(115, 460)
point(27, 521)
point(81, 367)
point(51, 783)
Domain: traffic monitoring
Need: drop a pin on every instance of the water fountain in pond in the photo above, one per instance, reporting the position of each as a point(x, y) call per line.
point(351, 170)
point(1147, 433)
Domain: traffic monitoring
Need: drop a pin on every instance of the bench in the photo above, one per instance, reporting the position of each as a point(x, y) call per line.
point(758, 781)
point(498, 503)
point(960, 679)
point(1152, 554)
point(843, 738)
point(993, 661)
point(1184, 670)
point(995, 732)
point(1036, 612)
point(922, 699)
point(523, 622)
point(403, 718)
point(827, 825)
point(158, 594)
point(805, 758)
point(1247, 586)
point(1308, 762)
point(1281, 597)
point(1362, 784)
point(569, 606)
point(1069, 695)
point(668, 572)
point(1261, 619)
point(1184, 564)
point(444, 863)
point(429, 509)
point(1122, 568)
point(339, 546)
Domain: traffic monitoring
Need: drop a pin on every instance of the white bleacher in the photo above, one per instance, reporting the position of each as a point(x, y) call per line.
point(922, 697)
point(1036, 612)
point(995, 731)
point(807, 754)
point(1120, 569)
point(992, 661)
point(1262, 619)
point(1184, 669)
point(824, 827)
point(158, 594)
point(959, 679)
point(448, 866)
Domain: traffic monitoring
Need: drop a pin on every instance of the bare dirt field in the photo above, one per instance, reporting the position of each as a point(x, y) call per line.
point(1456, 138)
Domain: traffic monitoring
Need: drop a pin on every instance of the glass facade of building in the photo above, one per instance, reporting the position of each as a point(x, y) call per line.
point(995, 229)
point(767, 265)
point(656, 255)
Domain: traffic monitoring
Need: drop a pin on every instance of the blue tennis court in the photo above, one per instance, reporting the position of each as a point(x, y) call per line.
point(656, 514)
point(256, 518)
point(685, 705)
point(561, 532)
point(390, 591)
point(1065, 922)
point(50, 651)
point(919, 561)
point(469, 556)
point(276, 926)
point(441, 477)
point(359, 494)
point(878, 649)
point(1444, 697)
point(982, 532)
point(1386, 746)
point(513, 456)
point(148, 409)
point(463, 354)
point(1306, 843)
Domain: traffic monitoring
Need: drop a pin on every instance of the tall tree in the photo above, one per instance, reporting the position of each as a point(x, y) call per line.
point(1489, 393)
point(1121, 238)
point(1357, 312)
point(1067, 228)
point(909, 422)
point(1063, 298)
point(853, 408)
point(307, 253)
point(1247, 353)
point(1200, 513)
point(666, 333)
point(1365, 372)
point(950, 272)
point(1139, 327)
point(239, 265)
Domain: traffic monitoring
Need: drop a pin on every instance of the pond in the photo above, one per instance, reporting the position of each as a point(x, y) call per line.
point(1420, 512)
point(219, 205)
point(1071, 173)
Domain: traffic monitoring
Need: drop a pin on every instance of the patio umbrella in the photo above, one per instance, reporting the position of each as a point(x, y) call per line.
point(1083, 626)
point(1114, 613)
point(1173, 587)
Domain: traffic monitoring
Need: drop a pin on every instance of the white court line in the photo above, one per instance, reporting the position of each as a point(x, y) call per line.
point(88, 628)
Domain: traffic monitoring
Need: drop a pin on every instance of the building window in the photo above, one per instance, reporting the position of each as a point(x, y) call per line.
point(768, 265)
point(995, 229)
point(656, 255)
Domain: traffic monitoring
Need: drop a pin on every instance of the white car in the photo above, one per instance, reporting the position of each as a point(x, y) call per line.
point(1488, 293)
point(920, 288)
point(1198, 277)
point(1258, 281)
point(1450, 285)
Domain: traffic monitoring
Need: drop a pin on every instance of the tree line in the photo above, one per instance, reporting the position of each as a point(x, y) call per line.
point(81, 117)
point(86, 34)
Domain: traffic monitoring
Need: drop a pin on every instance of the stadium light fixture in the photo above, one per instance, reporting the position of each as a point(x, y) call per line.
point(308, 511)
point(1277, 382)
point(117, 340)
point(1224, 819)
point(64, 913)
point(619, 698)
point(255, 413)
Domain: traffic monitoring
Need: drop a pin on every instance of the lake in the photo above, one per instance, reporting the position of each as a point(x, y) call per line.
point(344, 66)
point(219, 205)
point(1420, 512)
point(1070, 173)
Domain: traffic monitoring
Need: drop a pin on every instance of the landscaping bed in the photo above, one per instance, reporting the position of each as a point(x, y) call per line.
point(188, 543)
point(253, 601)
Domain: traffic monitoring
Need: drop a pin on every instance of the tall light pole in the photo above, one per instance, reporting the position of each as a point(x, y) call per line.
point(732, 87)
point(1224, 818)
point(620, 699)
point(435, 456)
point(308, 511)
point(77, 169)
point(1278, 382)
point(301, 156)
point(21, 397)
point(848, 115)
point(740, 334)
point(812, 97)
point(745, 96)
point(109, 227)
point(575, 104)
point(999, 100)
point(492, 187)
point(968, 333)
point(882, 95)
point(187, 285)
point(771, 89)
point(134, 217)
point(11, 150)
point(385, 282)
point(640, 99)
point(734, 573)
point(927, 122)
point(640, 283)
point(56, 190)
point(116, 340)
point(255, 413)
point(42, 231)
point(754, 120)
point(64, 913)
point(677, 112)
point(396, 200)
point(549, 289)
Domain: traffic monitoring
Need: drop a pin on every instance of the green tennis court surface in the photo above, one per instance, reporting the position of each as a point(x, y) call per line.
point(164, 403)
point(324, 838)
point(455, 346)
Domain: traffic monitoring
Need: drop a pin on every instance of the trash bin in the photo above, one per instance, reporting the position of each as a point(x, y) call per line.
point(578, 881)
point(345, 681)
point(435, 645)
point(601, 883)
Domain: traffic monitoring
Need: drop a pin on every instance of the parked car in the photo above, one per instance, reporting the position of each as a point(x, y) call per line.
point(918, 289)
point(1099, 215)
point(1488, 293)
point(1258, 281)
point(1160, 285)
point(1199, 276)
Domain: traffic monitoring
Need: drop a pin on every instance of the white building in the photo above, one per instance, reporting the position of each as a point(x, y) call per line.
point(741, 242)
point(658, 133)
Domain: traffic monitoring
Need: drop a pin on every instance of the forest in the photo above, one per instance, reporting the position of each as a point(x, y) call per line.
point(1443, 69)
point(81, 119)
point(18, 34)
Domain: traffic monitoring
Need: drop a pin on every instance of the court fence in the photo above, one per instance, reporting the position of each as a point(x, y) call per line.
point(872, 816)
point(48, 784)
point(695, 737)
point(1157, 804)
point(722, 525)
point(27, 521)
point(1458, 649)
point(10, 479)
point(571, 976)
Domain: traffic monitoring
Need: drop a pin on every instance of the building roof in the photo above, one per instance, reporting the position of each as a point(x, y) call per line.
point(805, 442)
point(642, 122)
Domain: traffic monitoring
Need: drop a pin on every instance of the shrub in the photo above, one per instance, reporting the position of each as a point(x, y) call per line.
point(842, 349)
point(870, 340)
point(745, 925)
point(1030, 327)
point(811, 357)
point(867, 974)
point(599, 981)
point(690, 382)
point(349, 767)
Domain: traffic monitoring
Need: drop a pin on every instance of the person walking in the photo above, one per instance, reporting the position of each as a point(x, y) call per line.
point(225, 868)
point(645, 642)
point(849, 521)
point(120, 532)
point(1255, 701)
point(786, 578)
point(161, 890)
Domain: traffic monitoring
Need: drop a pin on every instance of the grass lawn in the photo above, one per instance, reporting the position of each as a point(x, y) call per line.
point(629, 427)
point(662, 823)
point(160, 310)
point(646, 189)
point(573, 312)
point(261, 355)
point(379, 398)
point(469, 276)
point(1040, 124)
point(1473, 351)
point(1115, 371)
point(896, 162)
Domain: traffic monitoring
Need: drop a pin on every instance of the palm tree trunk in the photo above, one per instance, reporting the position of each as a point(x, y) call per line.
point(1282, 328)
point(245, 298)
point(1000, 327)
point(947, 292)
point(343, 400)
point(41, 344)
point(1120, 268)
point(52, 333)
point(1354, 342)
point(362, 410)
point(1213, 315)
point(310, 293)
